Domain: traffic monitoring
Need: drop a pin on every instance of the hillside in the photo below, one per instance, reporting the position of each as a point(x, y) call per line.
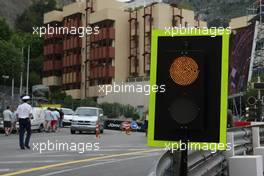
point(216, 12)
point(10, 9)
point(212, 11)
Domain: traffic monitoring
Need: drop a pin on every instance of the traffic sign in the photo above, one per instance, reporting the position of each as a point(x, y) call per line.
point(134, 125)
point(193, 68)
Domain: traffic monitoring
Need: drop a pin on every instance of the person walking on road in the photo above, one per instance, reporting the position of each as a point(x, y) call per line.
point(61, 118)
point(55, 117)
point(7, 120)
point(48, 118)
point(24, 113)
point(14, 121)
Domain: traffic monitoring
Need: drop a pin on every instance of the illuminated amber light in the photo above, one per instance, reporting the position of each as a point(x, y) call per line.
point(184, 70)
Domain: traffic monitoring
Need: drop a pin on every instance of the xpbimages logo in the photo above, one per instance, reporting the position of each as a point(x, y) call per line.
point(62, 30)
point(130, 88)
point(80, 147)
point(213, 147)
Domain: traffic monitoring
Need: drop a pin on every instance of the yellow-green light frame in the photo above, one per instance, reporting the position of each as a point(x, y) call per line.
point(224, 85)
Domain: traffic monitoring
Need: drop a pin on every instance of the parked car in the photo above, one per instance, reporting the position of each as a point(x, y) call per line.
point(68, 115)
point(86, 118)
point(37, 120)
point(1, 125)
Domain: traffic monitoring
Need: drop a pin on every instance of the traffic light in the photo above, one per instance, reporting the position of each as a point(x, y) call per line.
point(194, 70)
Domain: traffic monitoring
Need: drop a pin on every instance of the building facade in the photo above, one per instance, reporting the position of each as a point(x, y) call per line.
point(118, 53)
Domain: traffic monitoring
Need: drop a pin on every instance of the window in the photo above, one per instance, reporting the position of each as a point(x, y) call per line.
point(86, 112)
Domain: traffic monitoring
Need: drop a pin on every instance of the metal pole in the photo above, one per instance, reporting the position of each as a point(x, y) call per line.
point(183, 149)
point(184, 155)
point(13, 84)
point(240, 106)
point(259, 93)
point(260, 13)
point(28, 68)
point(12, 97)
point(21, 74)
point(32, 97)
point(259, 106)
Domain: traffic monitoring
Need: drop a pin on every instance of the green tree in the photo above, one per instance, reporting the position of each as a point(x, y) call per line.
point(88, 102)
point(33, 16)
point(10, 59)
point(186, 5)
point(112, 110)
point(23, 40)
point(129, 111)
point(5, 31)
point(68, 102)
point(135, 116)
point(34, 78)
point(57, 95)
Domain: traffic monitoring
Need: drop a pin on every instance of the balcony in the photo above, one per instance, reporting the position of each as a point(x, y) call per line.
point(76, 41)
point(52, 49)
point(65, 61)
point(71, 60)
point(57, 65)
point(47, 66)
point(104, 33)
point(76, 59)
point(57, 48)
point(102, 52)
point(100, 72)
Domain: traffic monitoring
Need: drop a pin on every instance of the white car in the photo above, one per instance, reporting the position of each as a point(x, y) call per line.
point(67, 117)
point(86, 118)
point(37, 121)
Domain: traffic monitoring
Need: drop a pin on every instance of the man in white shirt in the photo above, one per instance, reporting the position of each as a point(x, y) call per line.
point(24, 113)
point(7, 114)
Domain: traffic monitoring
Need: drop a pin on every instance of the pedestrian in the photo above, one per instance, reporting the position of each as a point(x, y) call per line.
point(126, 127)
point(14, 121)
point(55, 117)
point(48, 118)
point(24, 114)
point(61, 118)
point(146, 123)
point(230, 120)
point(97, 131)
point(7, 120)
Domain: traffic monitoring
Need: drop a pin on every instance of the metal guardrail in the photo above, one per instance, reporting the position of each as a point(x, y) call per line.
point(206, 163)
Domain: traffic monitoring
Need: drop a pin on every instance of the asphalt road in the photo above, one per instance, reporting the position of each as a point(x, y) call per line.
point(64, 154)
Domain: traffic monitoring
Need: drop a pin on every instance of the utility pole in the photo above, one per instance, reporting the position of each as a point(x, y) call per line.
point(21, 73)
point(28, 68)
point(12, 96)
point(260, 13)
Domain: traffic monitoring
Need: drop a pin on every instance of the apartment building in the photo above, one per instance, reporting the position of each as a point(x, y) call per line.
point(53, 52)
point(119, 53)
point(240, 22)
point(142, 21)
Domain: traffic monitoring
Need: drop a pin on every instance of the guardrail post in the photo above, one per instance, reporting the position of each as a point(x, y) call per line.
point(231, 142)
point(255, 137)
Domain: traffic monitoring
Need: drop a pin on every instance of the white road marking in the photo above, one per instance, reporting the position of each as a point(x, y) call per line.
point(24, 162)
point(53, 156)
point(4, 170)
point(95, 164)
